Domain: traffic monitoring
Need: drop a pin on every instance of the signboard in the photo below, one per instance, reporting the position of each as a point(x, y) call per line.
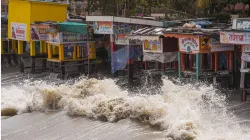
point(155, 46)
point(39, 32)
point(204, 45)
point(241, 24)
point(103, 27)
point(235, 38)
point(246, 48)
point(66, 37)
point(123, 28)
point(216, 46)
point(18, 31)
point(120, 39)
point(190, 45)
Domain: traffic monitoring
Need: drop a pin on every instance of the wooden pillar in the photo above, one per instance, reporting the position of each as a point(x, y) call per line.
point(21, 65)
point(74, 52)
point(163, 67)
point(211, 61)
point(78, 54)
point(62, 69)
point(61, 52)
point(179, 64)
point(42, 47)
point(33, 64)
point(20, 47)
point(49, 51)
point(198, 66)
point(230, 61)
point(157, 65)
point(190, 61)
point(216, 60)
point(32, 48)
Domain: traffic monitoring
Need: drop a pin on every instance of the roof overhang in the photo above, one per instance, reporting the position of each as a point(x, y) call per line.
point(125, 20)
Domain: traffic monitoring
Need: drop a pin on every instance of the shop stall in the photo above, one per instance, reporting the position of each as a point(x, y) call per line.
point(201, 55)
point(70, 49)
point(239, 35)
point(159, 52)
point(117, 28)
point(23, 17)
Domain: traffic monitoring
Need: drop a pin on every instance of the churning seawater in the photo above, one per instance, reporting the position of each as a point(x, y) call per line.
point(100, 109)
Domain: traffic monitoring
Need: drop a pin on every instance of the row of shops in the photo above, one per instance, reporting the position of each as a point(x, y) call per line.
point(134, 45)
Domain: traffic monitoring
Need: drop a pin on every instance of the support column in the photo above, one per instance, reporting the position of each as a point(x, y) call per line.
point(20, 47)
point(179, 64)
point(242, 82)
point(62, 69)
point(49, 51)
point(33, 64)
point(61, 52)
point(146, 65)
point(21, 64)
point(230, 61)
point(32, 48)
point(190, 61)
point(211, 61)
point(42, 47)
point(198, 66)
point(216, 60)
point(112, 49)
point(74, 52)
point(163, 67)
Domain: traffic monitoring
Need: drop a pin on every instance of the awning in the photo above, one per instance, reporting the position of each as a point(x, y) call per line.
point(73, 27)
point(161, 57)
point(138, 37)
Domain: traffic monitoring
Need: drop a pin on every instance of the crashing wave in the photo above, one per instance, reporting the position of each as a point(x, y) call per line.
point(185, 112)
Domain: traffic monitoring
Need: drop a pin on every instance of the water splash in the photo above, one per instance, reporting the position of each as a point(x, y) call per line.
point(183, 111)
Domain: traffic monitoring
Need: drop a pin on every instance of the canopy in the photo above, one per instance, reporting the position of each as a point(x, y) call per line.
point(73, 27)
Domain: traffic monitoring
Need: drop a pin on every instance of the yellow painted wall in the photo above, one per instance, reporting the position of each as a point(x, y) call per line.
point(19, 11)
point(44, 11)
point(23, 11)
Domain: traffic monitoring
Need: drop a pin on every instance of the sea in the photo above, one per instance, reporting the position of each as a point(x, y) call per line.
point(85, 108)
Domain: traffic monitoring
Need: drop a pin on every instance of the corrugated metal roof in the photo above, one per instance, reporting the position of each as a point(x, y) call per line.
point(147, 31)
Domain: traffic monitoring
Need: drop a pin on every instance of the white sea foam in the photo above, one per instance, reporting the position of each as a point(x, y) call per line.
point(183, 111)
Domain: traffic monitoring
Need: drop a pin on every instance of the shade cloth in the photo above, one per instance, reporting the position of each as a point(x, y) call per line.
point(161, 57)
point(121, 57)
point(245, 57)
point(73, 27)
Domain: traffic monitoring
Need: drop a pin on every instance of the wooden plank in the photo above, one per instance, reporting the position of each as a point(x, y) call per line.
point(198, 66)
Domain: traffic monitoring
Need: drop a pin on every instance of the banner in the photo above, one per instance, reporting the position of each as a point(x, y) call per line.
point(216, 46)
point(66, 37)
point(103, 27)
point(123, 28)
point(18, 31)
point(39, 32)
point(241, 24)
point(246, 48)
point(120, 39)
point(204, 45)
point(190, 45)
point(153, 46)
point(235, 38)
